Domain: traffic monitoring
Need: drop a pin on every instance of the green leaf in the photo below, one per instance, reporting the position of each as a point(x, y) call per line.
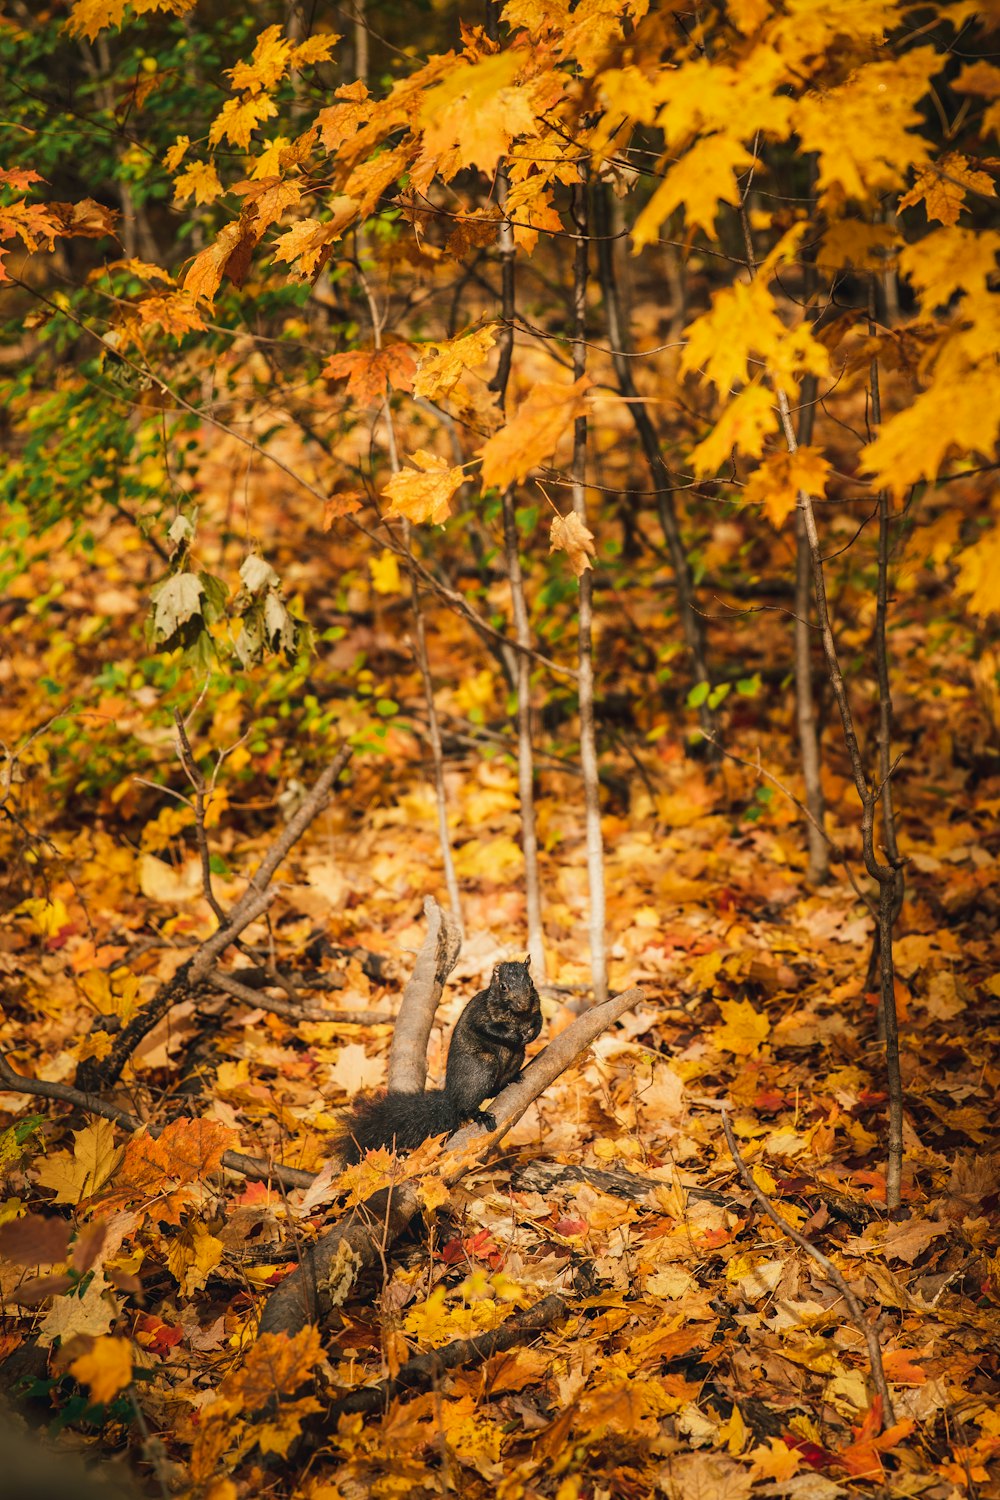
point(698, 694)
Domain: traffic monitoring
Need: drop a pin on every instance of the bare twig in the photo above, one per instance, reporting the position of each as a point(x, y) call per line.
point(830, 1271)
point(193, 772)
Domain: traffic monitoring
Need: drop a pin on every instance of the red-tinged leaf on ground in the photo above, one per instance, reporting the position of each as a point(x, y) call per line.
point(900, 1369)
point(369, 371)
point(533, 433)
point(156, 1335)
point(186, 1152)
point(35, 1240)
point(810, 1453)
point(863, 1457)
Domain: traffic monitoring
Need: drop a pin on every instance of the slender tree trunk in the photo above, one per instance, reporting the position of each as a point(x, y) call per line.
point(888, 875)
point(518, 602)
point(809, 742)
point(884, 710)
point(433, 726)
point(585, 662)
point(618, 336)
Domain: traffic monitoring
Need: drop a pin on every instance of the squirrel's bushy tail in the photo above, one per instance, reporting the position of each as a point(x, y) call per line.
point(399, 1122)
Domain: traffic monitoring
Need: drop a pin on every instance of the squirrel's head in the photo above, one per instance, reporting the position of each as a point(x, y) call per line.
point(514, 983)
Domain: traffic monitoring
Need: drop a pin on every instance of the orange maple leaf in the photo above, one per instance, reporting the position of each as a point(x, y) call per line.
point(370, 370)
point(533, 432)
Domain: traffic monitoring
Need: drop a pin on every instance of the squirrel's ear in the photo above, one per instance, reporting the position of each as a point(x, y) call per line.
point(527, 962)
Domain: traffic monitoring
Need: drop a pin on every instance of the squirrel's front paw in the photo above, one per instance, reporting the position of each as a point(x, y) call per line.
point(484, 1118)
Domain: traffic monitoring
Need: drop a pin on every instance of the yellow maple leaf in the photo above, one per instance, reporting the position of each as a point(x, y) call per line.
point(47, 917)
point(177, 152)
point(200, 181)
point(950, 260)
point(176, 314)
point(960, 409)
point(192, 1256)
point(743, 1029)
point(78, 1174)
point(743, 320)
point(570, 534)
point(306, 246)
point(424, 493)
point(776, 484)
point(774, 1460)
point(268, 63)
point(851, 242)
point(477, 110)
point(941, 187)
point(864, 131)
point(88, 17)
point(745, 424)
point(277, 1434)
point(268, 162)
point(442, 366)
point(314, 49)
point(706, 95)
point(702, 178)
point(533, 432)
point(385, 573)
point(239, 118)
point(106, 1368)
point(979, 573)
point(275, 1365)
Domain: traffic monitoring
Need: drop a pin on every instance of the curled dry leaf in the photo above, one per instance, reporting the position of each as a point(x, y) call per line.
point(570, 535)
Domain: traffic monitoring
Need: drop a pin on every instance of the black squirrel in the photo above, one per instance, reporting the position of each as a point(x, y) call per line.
point(486, 1053)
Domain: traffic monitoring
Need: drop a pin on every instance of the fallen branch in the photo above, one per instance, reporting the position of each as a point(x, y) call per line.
point(425, 1370)
point(437, 957)
point(360, 1242)
point(294, 1011)
point(254, 1167)
point(94, 1075)
point(829, 1270)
